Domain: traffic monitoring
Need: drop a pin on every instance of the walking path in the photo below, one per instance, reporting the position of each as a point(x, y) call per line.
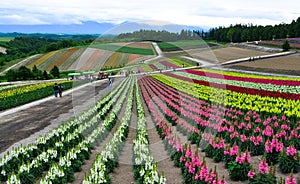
point(32, 120)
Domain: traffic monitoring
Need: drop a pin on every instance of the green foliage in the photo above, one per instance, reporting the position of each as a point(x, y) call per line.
point(250, 32)
point(150, 35)
point(238, 171)
point(166, 47)
point(55, 72)
point(132, 50)
point(268, 178)
point(289, 164)
point(23, 73)
point(286, 46)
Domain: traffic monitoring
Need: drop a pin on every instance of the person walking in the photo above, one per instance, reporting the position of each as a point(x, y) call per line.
point(109, 82)
point(56, 89)
point(60, 89)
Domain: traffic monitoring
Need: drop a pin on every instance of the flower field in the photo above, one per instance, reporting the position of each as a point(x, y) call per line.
point(215, 128)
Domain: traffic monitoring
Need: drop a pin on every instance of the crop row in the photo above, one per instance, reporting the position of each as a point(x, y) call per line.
point(58, 145)
point(238, 163)
point(232, 99)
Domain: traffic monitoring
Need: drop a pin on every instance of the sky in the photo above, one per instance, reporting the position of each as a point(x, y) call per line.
point(209, 13)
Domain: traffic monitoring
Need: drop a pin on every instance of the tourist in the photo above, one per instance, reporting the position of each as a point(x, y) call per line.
point(55, 88)
point(60, 89)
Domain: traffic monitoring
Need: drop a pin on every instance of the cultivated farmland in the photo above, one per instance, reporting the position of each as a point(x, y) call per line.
point(199, 125)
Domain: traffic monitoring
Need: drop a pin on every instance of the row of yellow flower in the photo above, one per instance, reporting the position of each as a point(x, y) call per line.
point(233, 99)
point(29, 93)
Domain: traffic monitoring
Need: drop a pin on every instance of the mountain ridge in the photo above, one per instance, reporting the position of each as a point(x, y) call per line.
point(91, 27)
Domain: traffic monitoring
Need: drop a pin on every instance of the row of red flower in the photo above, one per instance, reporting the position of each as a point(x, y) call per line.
point(245, 79)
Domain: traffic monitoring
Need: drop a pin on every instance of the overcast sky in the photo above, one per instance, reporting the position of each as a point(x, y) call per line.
point(211, 13)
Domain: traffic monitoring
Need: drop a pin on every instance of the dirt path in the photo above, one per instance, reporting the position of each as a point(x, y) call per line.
point(24, 126)
point(124, 172)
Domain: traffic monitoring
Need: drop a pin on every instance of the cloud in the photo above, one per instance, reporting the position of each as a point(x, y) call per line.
point(190, 12)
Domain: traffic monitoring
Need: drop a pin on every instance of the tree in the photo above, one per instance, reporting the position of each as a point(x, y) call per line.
point(45, 75)
point(24, 73)
point(55, 71)
point(229, 34)
point(10, 75)
point(37, 74)
point(286, 45)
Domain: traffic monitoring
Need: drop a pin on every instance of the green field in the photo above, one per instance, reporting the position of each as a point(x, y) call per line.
point(182, 45)
point(124, 49)
point(6, 39)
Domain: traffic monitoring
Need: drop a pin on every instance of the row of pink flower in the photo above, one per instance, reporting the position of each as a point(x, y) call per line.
point(257, 140)
point(218, 143)
point(191, 160)
point(274, 125)
point(240, 158)
point(245, 79)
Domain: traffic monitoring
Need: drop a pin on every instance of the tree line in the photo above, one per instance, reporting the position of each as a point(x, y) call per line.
point(153, 35)
point(250, 32)
point(24, 73)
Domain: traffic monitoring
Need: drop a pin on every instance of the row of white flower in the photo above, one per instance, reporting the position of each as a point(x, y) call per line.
point(252, 85)
point(58, 170)
point(50, 153)
point(98, 172)
point(15, 152)
point(142, 155)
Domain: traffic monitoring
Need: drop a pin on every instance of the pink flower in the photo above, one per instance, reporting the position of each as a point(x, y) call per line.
point(251, 174)
point(291, 180)
point(257, 129)
point(203, 172)
point(263, 167)
point(268, 131)
point(240, 159)
point(268, 146)
point(258, 120)
point(189, 153)
point(182, 159)
point(248, 156)
point(291, 150)
point(243, 138)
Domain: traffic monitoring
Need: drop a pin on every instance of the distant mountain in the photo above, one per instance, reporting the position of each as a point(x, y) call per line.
point(88, 27)
point(91, 27)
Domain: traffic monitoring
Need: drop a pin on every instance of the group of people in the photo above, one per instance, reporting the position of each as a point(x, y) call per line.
point(58, 90)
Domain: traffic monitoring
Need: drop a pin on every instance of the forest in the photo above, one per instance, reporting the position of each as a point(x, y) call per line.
point(250, 32)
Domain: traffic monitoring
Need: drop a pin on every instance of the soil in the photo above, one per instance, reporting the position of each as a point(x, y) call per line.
point(221, 55)
point(284, 63)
